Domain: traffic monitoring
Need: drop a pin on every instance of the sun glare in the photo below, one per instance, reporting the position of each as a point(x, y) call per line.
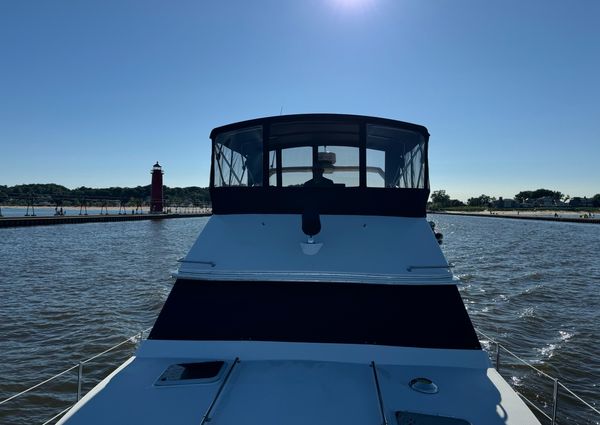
point(352, 4)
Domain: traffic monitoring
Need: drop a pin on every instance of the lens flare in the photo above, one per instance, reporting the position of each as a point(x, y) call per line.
point(352, 4)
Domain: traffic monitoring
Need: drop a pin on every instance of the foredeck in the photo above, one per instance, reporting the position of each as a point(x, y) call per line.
point(301, 391)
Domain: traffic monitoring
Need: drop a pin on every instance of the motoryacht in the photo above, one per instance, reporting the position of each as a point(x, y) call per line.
point(317, 293)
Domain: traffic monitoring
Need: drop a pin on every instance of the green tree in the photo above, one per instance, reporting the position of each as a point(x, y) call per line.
point(54, 194)
point(480, 201)
point(440, 198)
point(523, 196)
point(456, 203)
point(538, 193)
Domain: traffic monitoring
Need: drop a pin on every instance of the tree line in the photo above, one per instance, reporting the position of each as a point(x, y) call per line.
point(440, 199)
point(54, 194)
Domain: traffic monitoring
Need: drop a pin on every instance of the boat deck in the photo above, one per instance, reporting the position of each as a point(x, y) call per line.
point(299, 392)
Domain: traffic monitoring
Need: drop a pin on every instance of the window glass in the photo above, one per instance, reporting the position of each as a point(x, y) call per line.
point(320, 154)
point(363, 314)
point(375, 168)
point(395, 158)
point(340, 164)
point(315, 154)
point(296, 166)
point(238, 158)
point(273, 168)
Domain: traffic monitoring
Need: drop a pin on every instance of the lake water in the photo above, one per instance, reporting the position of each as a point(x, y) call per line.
point(68, 292)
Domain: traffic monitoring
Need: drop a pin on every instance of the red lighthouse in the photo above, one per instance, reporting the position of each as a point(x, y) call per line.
point(156, 195)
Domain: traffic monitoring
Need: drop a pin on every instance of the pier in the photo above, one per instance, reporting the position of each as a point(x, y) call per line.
point(76, 219)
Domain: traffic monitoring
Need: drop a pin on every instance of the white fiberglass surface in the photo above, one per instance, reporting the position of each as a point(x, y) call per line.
point(295, 391)
point(131, 397)
point(475, 395)
point(347, 353)
point(404, 248)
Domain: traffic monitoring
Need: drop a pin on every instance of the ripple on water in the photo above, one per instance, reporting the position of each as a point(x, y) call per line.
point(77, 289)
point(527, 312)
point(74, 291)
point(555, 345)
point(541, 295)
point(466, 277)
point(516, 381)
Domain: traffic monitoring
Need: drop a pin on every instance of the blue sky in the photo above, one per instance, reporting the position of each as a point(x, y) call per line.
point(94, 92)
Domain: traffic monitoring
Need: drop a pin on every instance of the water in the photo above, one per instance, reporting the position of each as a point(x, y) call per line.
point(534, 286)
point(68, 292)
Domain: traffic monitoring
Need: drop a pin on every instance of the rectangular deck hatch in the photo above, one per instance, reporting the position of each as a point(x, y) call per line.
point(191, 373)
point(411, 418)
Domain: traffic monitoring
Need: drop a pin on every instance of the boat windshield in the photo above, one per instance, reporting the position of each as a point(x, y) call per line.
point(320, 153)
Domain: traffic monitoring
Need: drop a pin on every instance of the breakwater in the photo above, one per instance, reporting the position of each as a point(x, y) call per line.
point(75, 219)
point(523, 217)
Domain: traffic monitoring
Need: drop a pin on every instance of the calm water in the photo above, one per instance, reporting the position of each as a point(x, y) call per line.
point(68, 292)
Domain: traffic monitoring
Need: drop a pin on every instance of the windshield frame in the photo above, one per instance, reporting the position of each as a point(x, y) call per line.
point(338, 124)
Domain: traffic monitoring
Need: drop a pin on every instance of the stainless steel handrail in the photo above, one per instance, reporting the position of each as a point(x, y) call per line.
point(58, 375)
point(498, 346)
point(58, 415)
point(556, 382)
point(530, 403)
point(79, 366)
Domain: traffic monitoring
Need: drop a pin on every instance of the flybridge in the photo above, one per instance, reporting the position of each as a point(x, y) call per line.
point(344, 164)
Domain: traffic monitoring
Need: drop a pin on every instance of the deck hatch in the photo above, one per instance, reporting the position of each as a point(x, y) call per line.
point(191, 373)
point(411, 418)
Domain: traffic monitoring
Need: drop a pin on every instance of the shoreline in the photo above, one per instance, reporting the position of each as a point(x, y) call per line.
point(6, 222)
point(537, 215)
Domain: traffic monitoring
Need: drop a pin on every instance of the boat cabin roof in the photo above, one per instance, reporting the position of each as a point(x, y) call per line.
point(331, 118)
point(281, 164)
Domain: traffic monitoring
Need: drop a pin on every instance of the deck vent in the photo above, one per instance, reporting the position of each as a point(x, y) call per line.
point(423, 385)
point(191, 373)
point(410, 418)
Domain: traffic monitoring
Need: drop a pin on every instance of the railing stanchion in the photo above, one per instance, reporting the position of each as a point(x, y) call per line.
point(79, 380)
point(497, 356)
point(554, 401)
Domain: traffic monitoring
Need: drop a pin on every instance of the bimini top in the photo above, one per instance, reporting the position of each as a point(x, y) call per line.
point(334, 164)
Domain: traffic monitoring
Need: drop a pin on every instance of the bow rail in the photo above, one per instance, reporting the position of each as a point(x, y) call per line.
point(496, 353)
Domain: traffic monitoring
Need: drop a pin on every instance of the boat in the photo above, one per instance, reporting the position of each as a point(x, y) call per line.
point(316, 293)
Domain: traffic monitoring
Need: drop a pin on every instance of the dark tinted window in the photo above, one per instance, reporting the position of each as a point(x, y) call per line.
point(396, 315)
